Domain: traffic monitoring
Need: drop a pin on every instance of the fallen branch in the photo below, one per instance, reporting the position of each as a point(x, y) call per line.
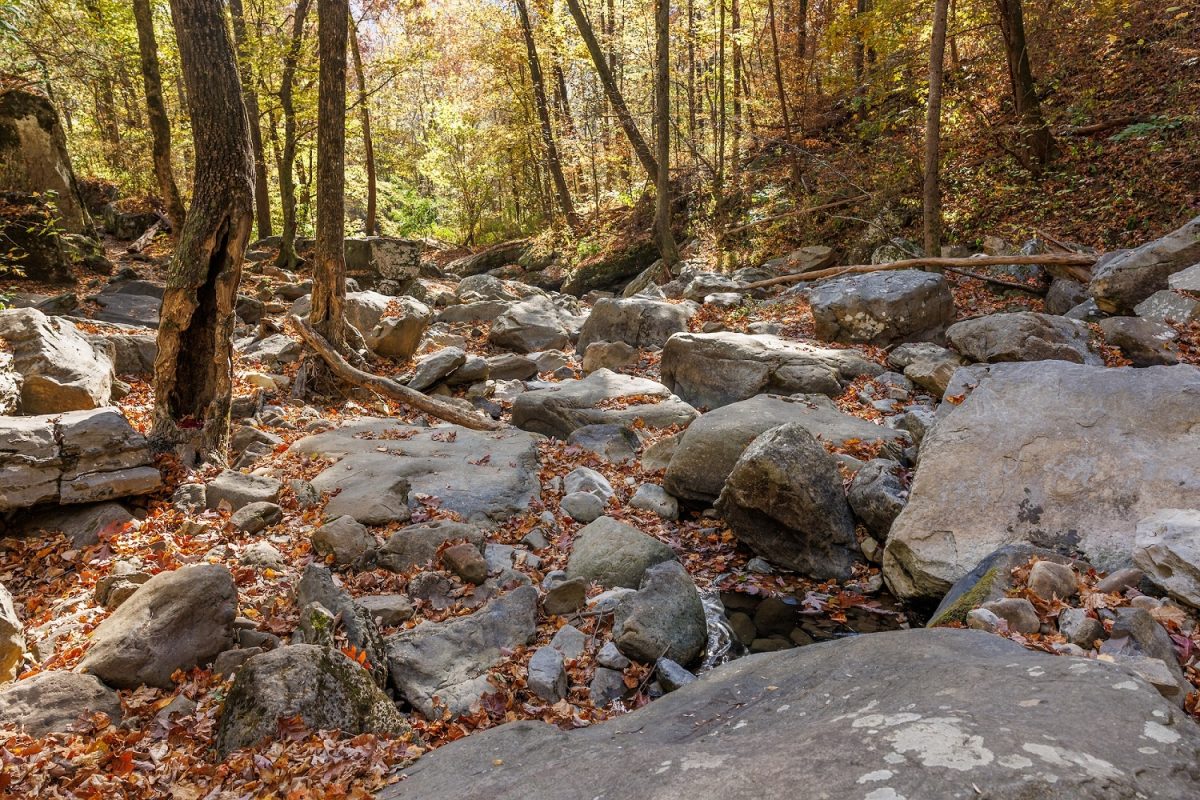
point(1024, 287)
point(795, 213)
point(1050, 260)
point(390, 388)
point(140, 243)
point(1101, 127)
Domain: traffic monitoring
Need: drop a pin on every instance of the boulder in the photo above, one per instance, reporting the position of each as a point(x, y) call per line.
point(12, 638)
point(712, 444)
point(343, 539)
point(882, 308)
point(320, 598)
point(320, 685)
point(916, 714)
point(990, 579)
point(489, 259)
point(383, 258)
point(1125, 278)
point(1065, 456)
point(716, 369)
point(613, 267)
point(804, 259)
point(784, 500)
point(77, 457)
point(547, 675)
point(665, 618)
point(60, 369)
point(612, 554)
point(1064, 294)
point(55, 701)
point(176, 620)
point(131, 353)
point(877, 496)
point(602, 398)
point(1168, 306)
point(614, 443)
point(1144, 342)
point(237, 489)
point(615, 356)
point(382, 467)
point(1167, 548)
point(398, 332)
point(255, 517)
point(640, 322)
point(33, 156)
point(1022, 336)
point(436, 367)
point(450, 660)
point(418, 544)
point(529, 326)
point(81, 524)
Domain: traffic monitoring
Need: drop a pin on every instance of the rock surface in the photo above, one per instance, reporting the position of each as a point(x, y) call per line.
point(922, 713)
point(54, 702)
point(1168, 550)
point(602, 398)
point(60, 369)
point(664, 618)
point(1022, 336)
point(639, 322)
point(882, 308)
point(1123, 279)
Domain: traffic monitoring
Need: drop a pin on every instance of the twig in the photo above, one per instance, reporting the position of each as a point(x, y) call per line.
point(998, 281)
point(386, 386)
point(1055, 259)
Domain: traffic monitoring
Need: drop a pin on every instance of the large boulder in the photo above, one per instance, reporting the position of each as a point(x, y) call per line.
point(665, 618)
point(1022, 336)
point(602, 398)
point(54, 702)
point(77, 457)
point(383, 258)
point(496, 256)
point(1168, 550)
point(176, 620)
point(614, 554)
point(60, 369)
point(398, 332)
point(318, 596)
point(383, 469)
point(30, 247)
point(320, 685)
point(784, 500)
point(640, 322)
point(530, 326)
point(917, 714)
point(882, 308)
point(450, 660)
point(716, 369)
point(1065, 456)
point(712, 444)
point(1123, 279)
point(33, 156)
point(612, 268)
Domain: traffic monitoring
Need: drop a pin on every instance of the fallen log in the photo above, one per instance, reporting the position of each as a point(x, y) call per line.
point(1067, 260)
point(1022, 287)
point(388, 387)
point(140, 243)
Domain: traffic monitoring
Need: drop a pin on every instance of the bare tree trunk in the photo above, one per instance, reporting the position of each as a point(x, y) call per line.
point(640, 148)
point(1037, 146)
point(156, 113)
point(775, 58)
point(932, 206)
point(262, 194)
point(662, 113)
point(329, 261)
point(719, 176)
point(193, 371)
point(287, 184)
point(691, 74)
point(543, 112)
point(364, 111)
point(735, 30)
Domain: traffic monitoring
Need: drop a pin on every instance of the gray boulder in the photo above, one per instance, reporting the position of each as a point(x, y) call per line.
point(1064, 294)
point(12, 638)
point(398, 332)
point(345, 539)
point(81, 524)
point(34, 157)
point(60, 369)
point(602, 398)
point(547, 675)
point(176, 620)
point(529, 326)
point(1144, 342)
point(784, 500)
point(415, 545)
point(882, 308)
point(321, 599)
point(877, 496)
point(1168, 550)
point(612, 553)
point(916, 714)
point(1065, 456)
point(54, 702)
point(1123, 279)
point(237, 489)
point(1022, 336)
point(436, 367)
point(640, 322)
point(665, 618)
point(716, 369)
point(450, 660)
point(323, 687)
point(1168, 306)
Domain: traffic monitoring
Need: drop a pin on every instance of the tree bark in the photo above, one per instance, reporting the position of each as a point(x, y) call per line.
point(778, 69)
point(543, 111)
point(262, 193)
point(613, 93)
point(662, 114)
point(364, 110)
point(156, 114)
point(193, 371)
point(932, 206)
point(329, 261)
point(287, 183)
point(1036, 148)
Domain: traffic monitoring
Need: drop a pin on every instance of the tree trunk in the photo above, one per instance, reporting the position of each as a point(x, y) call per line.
point(364, 111)
point(735, 31)
point(932, 206)
point(193, 371)
point(662, 114)
point(329, 261)
point(640, 148)
point(262, 193)
point(775, 58)
point(1037, 147)
point(543, 111)
point(156, 113)
point(287, 184)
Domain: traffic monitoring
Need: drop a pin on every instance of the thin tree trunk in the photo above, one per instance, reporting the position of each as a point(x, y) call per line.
point(329, 261)
point(287, 184)
point(735, 29)
point(932, 206)
point(662, 113)
point(193, 371)
point(775, 58)
point(156, 113)
point(719, 176)
point(640, 148)
point(364, 111)
point(262, 193)
point(543, 112)
point(691, 73)
point(1037, 146)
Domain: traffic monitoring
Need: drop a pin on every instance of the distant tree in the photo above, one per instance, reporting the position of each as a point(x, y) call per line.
point(662, 126)
point(156, 114)
point(287, 183)
point(1036, 148)
point(370, 226)
point(932, 205)
point(193, 371)
point(262, 192)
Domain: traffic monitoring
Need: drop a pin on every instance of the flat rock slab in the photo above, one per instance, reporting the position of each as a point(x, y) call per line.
point(602, 398)
point(482, 475)
point(906, 714)
point(1060, 455)
point(882, 308)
